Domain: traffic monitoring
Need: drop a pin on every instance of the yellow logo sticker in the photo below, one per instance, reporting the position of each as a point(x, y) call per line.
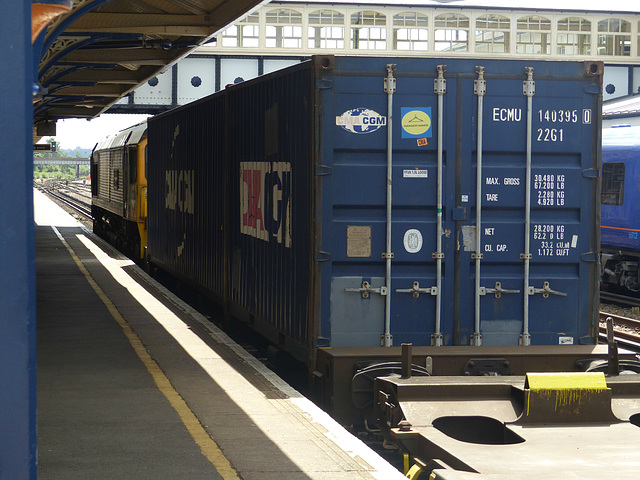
point(415, 122)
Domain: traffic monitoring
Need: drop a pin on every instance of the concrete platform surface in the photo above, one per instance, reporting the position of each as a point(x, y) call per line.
point(134, 384)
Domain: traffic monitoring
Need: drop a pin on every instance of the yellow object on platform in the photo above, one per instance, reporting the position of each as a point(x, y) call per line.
point(592, 381)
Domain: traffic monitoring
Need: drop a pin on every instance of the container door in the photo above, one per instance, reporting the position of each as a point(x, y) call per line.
point(355, 193)
point(472, 260)
point(536, 189)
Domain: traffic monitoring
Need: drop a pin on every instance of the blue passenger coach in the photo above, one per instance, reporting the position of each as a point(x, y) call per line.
point(620, 209)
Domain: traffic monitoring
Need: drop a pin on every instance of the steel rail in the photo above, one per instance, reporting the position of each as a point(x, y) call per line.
point(619, 299)
point(626, 330)
point(71, 202)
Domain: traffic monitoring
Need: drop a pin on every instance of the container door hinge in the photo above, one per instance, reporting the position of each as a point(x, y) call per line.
point(590, 257)
point(591, 173)
point(546, 291)
point(367, 289)
point(322, 84)
point(415, 290)
point(459, 213)
point(322, 256)
point(322, 342)
point(323, 170)
point(497, 290)
point(592, 89)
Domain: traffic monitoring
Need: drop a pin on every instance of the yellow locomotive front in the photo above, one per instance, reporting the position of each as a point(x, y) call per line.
point(119, 190)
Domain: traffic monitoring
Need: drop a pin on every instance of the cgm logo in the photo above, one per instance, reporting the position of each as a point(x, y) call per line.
point(265, 201)
point(361, 120)
point(179, 190)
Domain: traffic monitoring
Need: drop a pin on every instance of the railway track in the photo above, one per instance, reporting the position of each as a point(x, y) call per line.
point(618, 299)
point(75, 197)
point(626, 330)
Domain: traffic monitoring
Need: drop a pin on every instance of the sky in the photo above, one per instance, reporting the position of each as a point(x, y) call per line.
point(78, 132)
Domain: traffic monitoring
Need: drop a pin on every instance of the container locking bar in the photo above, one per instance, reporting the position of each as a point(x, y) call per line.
point(545, 291)
point(529, 90)
point(415, 290)
point(497, 290)
point(480, 88)
point(367, 289)
point(390, 89)
point(439, 88)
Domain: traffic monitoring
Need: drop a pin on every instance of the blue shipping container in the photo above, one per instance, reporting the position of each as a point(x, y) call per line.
point(377, 201)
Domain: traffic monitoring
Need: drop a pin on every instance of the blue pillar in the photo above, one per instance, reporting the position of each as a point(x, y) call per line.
point(17, 256)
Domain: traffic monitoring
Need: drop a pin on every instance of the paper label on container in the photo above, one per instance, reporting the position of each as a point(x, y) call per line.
point(358, 241)
point(416, 173)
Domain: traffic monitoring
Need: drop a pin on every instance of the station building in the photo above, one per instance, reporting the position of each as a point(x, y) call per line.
point(285, 32)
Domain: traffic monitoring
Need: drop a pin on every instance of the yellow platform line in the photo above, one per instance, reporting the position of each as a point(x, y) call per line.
point(208, 446)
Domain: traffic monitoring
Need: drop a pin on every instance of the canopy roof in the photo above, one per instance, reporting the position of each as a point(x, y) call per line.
point(93, 55)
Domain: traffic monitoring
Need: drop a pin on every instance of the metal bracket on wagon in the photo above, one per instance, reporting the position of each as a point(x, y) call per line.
point(529, 85)
point(440, 83)
point(415, 290)
point(367, 289)
point(545, 291)
point(390, 81)
point(497, 290)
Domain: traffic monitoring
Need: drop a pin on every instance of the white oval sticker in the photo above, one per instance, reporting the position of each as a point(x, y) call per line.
point(412, 241)
point(361, 120)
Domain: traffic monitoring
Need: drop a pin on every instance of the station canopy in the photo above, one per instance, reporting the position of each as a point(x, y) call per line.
point(100, 50)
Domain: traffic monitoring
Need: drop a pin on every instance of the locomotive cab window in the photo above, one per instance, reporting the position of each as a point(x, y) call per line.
point(612, 184)
point(95, 168)
point(133, 164)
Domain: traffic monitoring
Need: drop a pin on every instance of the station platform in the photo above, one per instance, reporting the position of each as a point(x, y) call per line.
point(135, 384)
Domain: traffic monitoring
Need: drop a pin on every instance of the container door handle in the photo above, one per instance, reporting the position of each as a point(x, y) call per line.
point(367, 289)
point(546, 291)
point(415, 290)
point(497, 290)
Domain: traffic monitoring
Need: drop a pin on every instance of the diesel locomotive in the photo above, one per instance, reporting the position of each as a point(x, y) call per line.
point(119, 190)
